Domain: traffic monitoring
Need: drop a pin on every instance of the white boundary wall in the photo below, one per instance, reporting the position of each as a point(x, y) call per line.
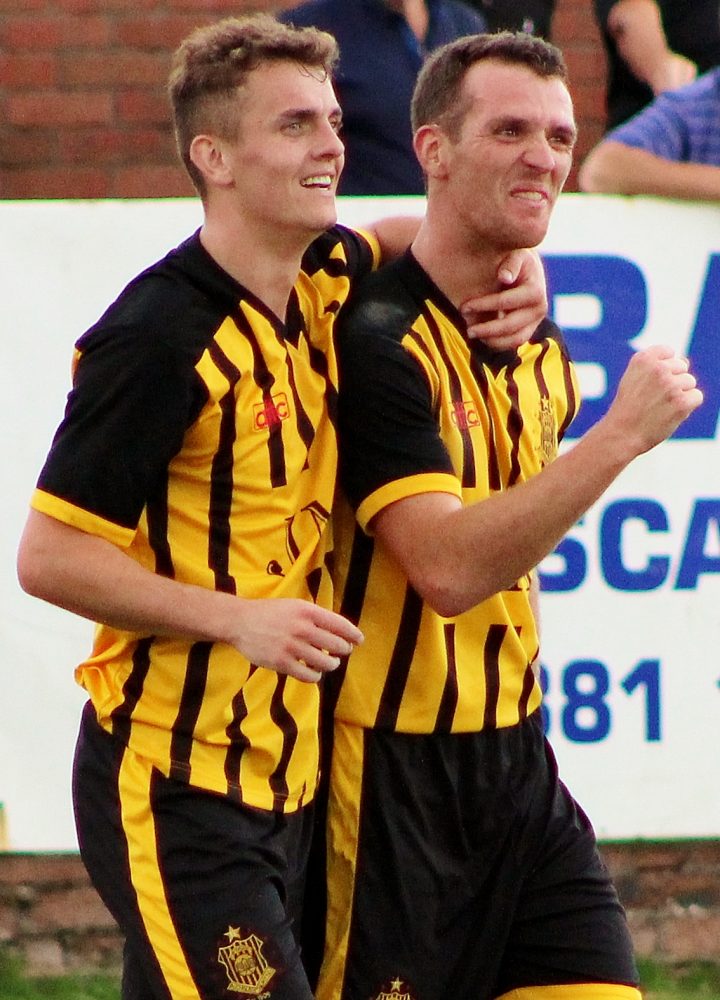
point(631, 609)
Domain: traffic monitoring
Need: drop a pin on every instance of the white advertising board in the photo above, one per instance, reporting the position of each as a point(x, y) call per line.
point(631, 598)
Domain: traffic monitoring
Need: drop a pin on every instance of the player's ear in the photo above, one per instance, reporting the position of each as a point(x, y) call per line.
point(431, 145)
point(208, 154)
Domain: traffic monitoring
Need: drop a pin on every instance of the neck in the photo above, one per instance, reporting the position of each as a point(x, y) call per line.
point(265, 266)
point(461, 268)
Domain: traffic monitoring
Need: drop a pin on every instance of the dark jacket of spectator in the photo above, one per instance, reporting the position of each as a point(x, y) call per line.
point(380, 57)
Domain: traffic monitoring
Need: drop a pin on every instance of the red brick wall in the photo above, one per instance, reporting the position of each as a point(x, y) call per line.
point(83, 112)
point(51, 917)
point(575, 31)
point(671, 892)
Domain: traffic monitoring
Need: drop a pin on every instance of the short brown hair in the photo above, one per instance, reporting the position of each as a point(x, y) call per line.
point(212, 62)
point(438, 90)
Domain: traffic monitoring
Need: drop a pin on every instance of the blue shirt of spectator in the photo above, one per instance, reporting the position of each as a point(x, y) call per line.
point(380, 57)
point(681, 125)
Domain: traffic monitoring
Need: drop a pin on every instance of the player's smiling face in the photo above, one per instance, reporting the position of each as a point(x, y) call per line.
point(513, 153)
point(288, 157)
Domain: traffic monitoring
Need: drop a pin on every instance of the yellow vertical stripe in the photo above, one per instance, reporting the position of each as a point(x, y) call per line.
point(343, 828)
point(139, 826)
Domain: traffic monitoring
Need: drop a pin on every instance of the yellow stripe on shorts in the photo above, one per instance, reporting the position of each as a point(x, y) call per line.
point(342, 844)
point(139, 828)
point(574, 991)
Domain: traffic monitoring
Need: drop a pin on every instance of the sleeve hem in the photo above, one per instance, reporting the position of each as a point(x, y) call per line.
point(76, 517)
point(401, 489)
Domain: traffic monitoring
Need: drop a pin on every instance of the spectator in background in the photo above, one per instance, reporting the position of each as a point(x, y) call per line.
point(531, 16)
point(653, 47)
point(383, 44)
point(671, 148)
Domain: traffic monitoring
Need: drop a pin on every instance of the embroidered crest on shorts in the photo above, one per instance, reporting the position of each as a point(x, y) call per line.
point(247, 970)
point(397, 992)
point(548, 435)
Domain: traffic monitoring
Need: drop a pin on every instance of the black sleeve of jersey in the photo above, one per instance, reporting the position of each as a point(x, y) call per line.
point(132, 399)
point(388, 430)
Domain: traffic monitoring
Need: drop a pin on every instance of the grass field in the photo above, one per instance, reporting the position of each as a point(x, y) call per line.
point(698, 981)
point(695, 981)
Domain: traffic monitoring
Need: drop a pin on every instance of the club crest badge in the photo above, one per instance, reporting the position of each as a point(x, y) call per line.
point(247, 970)
point(548, 435)
point(396, 992)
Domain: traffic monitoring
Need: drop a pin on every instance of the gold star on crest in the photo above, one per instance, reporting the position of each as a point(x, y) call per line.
point(395, 985)
point(233, 934)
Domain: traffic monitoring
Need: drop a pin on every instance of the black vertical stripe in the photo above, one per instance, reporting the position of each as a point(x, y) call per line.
point(132, 689)
point(571, 398)
point(400, 661)
point(514, 423)
point(189, 709)
point(351, 606)
point(296, 328)
point(469, 474)
point(314, 579)
point(449, 700)
point(491, 656)
point(527, 689)
point(294, 320)
point(265, 380)
point(305, 429)
point(539, 372)
point(495, 483)
point(288, 727)
point(319, 364)
point(157, 519)
point(331, 401)
point(318, 360)
point(239, 742)
point(221, 493)
point(221, 478)
point(361, 556)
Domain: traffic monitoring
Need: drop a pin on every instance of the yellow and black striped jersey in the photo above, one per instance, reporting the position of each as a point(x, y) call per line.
point(423, 410)
point(200, 437)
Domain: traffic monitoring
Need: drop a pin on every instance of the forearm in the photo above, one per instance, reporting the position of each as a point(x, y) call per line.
point(91, 577)
point(614, 168)
point(636, 27)
point(637, 30)
point(487, 547)
point(457, 556)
